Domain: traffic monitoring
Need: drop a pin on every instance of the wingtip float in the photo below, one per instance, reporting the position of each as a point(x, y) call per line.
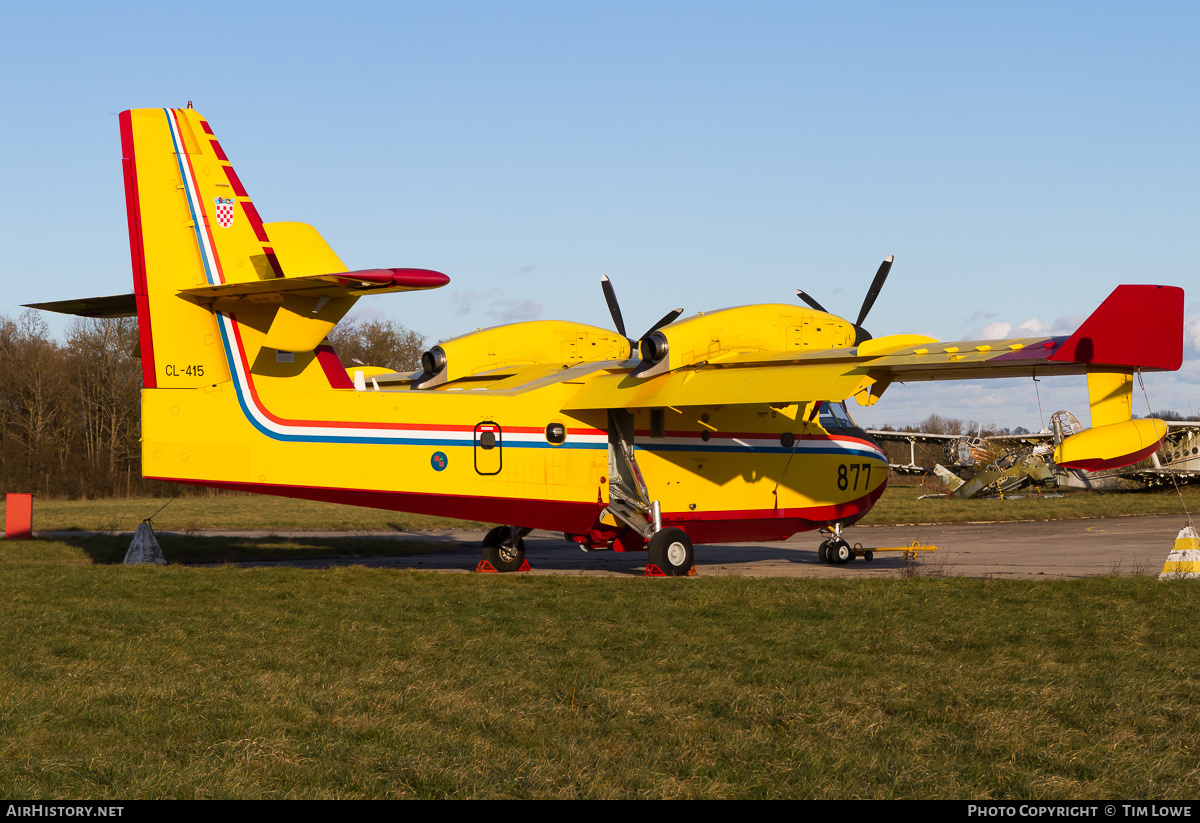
point(729, 426)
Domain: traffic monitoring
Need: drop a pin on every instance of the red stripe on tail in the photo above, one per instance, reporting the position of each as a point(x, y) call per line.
point(136, 251)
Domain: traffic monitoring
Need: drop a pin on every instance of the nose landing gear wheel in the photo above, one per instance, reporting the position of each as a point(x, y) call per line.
point(835, 551)
point(503, 558)
point(671, 551)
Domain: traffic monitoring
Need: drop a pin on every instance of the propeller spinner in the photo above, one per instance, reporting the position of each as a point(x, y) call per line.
point(614, 308)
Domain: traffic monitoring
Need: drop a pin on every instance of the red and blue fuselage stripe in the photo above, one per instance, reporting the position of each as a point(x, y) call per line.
point(380, 433)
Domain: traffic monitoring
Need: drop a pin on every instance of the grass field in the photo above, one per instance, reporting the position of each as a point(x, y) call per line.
point(131, 682)
point(228, 513)
point(899, 504)
point(184, 681)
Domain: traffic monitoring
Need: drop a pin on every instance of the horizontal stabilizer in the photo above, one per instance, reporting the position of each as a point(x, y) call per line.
point(117, 305)
point(336, 284)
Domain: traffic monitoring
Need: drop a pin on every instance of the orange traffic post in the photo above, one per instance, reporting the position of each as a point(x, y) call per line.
point(18, 517)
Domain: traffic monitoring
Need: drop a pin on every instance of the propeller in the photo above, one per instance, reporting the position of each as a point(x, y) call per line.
point(873, 292)
point(614, 308)
point(861, 335)
point(810, 301)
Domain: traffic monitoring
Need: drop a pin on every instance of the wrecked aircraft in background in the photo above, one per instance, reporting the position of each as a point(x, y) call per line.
point(973, 466)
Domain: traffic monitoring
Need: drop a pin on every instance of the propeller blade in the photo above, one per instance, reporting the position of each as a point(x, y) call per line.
point(810, 301)
point(613, 308)
point(669, 317)
point(876, 285)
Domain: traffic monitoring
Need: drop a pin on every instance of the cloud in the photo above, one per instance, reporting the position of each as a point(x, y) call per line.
point(493, 305)
point(975, 396)
point(1004, 403)
point(1033, 327)
point(1191, 334)
point(977, 318)
point(1189, 372)
point(1068, 324)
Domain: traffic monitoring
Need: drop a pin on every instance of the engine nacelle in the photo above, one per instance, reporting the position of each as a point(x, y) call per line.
point(519, 344)
point(768, 328)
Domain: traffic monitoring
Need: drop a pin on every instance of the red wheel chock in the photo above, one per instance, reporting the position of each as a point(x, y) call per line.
point(654, 571)
point(485, 567)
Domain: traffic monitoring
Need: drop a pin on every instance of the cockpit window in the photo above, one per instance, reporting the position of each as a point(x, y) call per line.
point(835, 416)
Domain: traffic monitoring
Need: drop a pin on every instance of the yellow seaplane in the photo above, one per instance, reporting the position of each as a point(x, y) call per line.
point(723, 427)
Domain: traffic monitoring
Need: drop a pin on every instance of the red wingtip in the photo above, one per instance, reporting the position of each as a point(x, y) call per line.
point(419, 278)
point(407, 278)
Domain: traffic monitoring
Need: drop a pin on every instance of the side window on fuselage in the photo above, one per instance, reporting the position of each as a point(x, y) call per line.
point(835, 419)
point(834, 416)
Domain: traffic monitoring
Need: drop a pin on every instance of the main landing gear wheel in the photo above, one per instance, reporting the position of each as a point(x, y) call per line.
point(671, 551)
point(501, 557)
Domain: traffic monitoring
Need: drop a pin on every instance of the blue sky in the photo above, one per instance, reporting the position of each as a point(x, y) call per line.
point(1020, 160)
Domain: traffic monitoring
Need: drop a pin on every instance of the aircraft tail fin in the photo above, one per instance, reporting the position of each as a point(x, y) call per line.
point(212, 281)
point(191, 223)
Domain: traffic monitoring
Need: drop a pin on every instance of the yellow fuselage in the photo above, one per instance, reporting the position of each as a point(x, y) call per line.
point(239, 394)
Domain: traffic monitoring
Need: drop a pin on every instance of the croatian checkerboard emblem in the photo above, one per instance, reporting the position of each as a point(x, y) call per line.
point(224, 211)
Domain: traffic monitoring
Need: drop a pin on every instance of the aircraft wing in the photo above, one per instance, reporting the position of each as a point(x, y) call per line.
point(833, 376)
point(914, 437)
point(813, 377)
point(1137, 328)
point(1031, 439)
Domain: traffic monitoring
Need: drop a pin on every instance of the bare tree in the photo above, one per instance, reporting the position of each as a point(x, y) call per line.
point(33, 369)
point(383, 343)
point(70, 413)
point(936, 424)
point(105, 386)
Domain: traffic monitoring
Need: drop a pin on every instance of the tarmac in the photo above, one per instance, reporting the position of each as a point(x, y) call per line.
point(1026, 550)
